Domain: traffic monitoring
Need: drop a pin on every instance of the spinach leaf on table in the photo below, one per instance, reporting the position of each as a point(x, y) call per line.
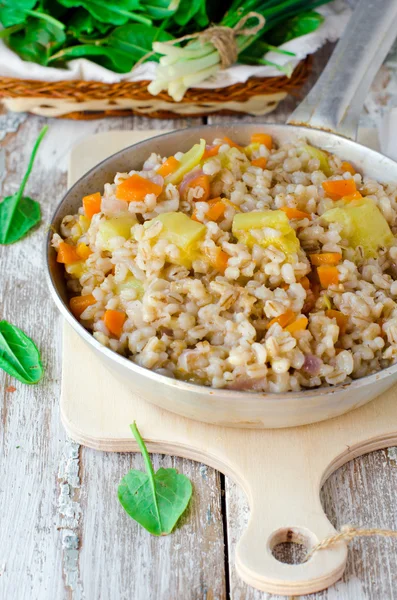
point(120, 50)
point(19, 356)
point(37, 41)
point(18, 213)
point(110, 12)
point(155, 500)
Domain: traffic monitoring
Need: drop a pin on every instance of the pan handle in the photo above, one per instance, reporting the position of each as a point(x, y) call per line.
point(336, 100)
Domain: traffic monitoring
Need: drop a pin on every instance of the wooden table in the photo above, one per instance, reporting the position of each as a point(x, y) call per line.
point(63, 534)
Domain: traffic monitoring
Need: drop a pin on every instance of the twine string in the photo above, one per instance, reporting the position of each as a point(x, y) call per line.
point(222, 38)
point(347, 534)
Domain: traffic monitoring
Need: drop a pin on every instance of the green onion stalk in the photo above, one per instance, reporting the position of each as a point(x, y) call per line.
point(183, 67)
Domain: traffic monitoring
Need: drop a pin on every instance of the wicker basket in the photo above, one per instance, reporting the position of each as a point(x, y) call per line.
point(93, 99)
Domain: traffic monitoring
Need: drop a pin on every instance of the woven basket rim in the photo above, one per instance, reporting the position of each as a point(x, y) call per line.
point(80, 90)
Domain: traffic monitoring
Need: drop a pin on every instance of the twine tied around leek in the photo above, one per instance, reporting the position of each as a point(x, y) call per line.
point(205, 53)
point(347, 534)
point(222, 38)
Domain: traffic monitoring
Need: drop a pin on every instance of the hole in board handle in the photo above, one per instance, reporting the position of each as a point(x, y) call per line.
point(290, 545)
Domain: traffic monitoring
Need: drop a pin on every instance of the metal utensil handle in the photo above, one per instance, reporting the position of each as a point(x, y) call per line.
point(336, 100)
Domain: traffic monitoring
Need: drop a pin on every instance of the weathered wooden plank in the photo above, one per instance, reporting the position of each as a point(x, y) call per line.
point(120, 560)
point(31, 434)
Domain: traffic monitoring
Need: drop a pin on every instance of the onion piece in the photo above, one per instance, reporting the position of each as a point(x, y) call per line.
point(312, 365)
point(113, 206)
point(157, 179)
point(244, 383)
point(187, 179)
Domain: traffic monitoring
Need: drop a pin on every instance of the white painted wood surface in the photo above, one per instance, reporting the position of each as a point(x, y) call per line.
point(114, 560)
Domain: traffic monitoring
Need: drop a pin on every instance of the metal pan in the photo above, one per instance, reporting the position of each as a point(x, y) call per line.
point(327, 118)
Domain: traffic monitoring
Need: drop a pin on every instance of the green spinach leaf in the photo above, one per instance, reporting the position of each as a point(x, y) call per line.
point(104, 55)
point(16, 12)
point(110, 12)
point(18, 213)
point(13, 12)
point(188, 10)
point(83, 23)
point(120, 50)
point(37, 41)
point(295, 27)
point(19, 356)
point(155, 500)
point(21, 216)
point(160, 9)
point(136, 40)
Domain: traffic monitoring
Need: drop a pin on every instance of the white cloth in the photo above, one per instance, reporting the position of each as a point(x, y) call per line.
point(336, 15)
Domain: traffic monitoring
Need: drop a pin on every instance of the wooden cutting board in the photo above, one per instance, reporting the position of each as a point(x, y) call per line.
point(281, 470)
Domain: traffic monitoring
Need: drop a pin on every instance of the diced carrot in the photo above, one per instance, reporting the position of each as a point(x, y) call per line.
point(78, 304)
point(220, 263)
point(67, 254)
point(338, 188)
point(202, 181)
point(114, 321)
point(305, 282)
point(340, 318)
point(211, 151)
point(350, 197)
point(92, 204)
point(83, 251)
point(294, 213)
point(231, 143)
point(346, 166)
point(262, 138)
point(135, 188)
point(298, 325)
point(326, 258)
point(283, 320)
point(169, 166)
point(216, 210)
point(218, 260)
point(259, 162)
point(328, 275)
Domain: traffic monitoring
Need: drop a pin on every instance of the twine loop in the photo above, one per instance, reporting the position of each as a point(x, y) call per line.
point(347, 534)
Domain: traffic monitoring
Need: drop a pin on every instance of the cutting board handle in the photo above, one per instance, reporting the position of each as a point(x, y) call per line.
point(287, 510)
